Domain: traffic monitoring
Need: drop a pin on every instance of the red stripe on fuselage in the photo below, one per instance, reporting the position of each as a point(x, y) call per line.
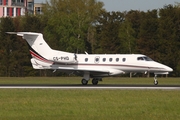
point(34, 55)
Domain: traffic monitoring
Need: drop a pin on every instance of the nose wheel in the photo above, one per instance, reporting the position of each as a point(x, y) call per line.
point(155, 80)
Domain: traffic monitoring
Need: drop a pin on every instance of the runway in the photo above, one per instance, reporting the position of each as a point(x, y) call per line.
point(79, 86)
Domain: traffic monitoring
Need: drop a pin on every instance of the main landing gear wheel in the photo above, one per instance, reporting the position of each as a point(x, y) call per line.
point(155, 80)
point(94, 81)
point(84, 82)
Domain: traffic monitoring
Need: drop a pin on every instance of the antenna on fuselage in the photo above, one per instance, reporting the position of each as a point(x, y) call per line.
point(86, 53)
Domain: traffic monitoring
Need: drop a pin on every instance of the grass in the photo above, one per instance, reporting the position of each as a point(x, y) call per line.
point(81, 104)
point(77, 80)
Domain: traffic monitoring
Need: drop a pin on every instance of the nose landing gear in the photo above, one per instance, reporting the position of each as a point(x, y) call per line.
point(155, 80)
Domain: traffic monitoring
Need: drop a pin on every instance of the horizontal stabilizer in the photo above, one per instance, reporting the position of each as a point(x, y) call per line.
point(24, 33)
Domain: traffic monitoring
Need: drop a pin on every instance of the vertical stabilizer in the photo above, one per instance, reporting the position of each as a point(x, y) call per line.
point(38, 47)
point(42, 55)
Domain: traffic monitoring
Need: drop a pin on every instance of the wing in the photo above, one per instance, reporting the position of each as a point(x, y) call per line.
point(96, 72)
point(93, 71)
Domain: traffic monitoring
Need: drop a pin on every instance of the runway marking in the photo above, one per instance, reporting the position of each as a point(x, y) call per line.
point(91, 87)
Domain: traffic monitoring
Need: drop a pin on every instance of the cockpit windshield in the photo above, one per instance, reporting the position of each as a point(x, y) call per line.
point(145, 58)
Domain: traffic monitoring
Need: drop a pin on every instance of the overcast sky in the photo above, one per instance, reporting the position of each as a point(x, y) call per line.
point(126, 5)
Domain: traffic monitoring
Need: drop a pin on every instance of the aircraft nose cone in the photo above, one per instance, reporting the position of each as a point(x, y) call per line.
point(169, 69)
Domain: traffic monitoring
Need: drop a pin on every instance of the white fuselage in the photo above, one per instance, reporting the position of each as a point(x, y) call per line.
point(112, 64)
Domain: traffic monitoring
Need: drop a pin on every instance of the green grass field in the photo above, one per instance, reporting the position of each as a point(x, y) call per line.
point(88, 104)
point(77, 80)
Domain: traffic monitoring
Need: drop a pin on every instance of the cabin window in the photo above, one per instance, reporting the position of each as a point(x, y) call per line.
point(117, 59)
point(104, 59)
point(110, 59)
point(86, 59)
point(96, 59)
point(124, 59)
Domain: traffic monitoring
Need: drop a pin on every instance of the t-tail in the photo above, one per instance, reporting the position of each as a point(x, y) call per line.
point(43, 57)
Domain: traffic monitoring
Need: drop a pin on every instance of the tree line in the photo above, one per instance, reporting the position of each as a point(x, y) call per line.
point(84, 25)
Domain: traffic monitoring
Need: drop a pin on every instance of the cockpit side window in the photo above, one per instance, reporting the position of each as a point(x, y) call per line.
point(140, 58)
point(145, 58)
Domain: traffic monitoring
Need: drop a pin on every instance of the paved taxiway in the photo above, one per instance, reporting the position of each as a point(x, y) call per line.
point(79, 86)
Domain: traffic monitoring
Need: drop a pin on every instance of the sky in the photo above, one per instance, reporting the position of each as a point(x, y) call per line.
point(127, 5)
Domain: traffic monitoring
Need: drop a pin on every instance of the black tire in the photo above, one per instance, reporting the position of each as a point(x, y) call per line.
point(84, 82)
point(94, 81)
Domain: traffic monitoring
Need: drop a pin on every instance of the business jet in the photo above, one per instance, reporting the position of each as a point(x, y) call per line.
point(95, 66)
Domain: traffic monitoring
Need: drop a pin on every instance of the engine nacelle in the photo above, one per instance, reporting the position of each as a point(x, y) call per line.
point(64, 58)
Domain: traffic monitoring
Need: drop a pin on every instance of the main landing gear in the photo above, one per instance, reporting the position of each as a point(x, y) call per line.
point(94, 81)
point(155, 80)
point(86, 78)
